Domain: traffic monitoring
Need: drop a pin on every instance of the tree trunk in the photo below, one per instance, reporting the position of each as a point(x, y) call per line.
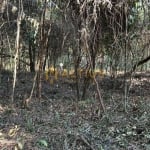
point(32, 56)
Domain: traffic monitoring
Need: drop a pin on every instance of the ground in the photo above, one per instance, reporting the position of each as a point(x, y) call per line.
point(59, 122)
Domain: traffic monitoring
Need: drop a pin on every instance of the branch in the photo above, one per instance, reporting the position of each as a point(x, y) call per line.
point(140, 63)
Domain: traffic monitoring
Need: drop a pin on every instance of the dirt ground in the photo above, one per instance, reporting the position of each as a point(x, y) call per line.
point(59, 122)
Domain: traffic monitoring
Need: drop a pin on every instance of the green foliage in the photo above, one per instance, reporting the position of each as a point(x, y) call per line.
point(29, 124)
point(42, 143)
point(136, 15)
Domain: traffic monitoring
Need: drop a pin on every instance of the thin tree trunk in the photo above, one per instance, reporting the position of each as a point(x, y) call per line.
point(17, 48)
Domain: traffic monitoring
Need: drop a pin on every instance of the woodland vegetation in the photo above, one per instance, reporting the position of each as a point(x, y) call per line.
point(75, 74)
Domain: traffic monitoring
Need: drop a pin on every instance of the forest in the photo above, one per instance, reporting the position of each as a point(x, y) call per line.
point(74, 74)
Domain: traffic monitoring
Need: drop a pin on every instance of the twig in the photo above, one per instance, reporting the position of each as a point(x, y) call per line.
point(83, 139)
point(86, 142)
point(100, 96)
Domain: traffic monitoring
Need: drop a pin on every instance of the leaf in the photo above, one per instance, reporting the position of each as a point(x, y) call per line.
point(12, 132)
point(147, 136)
point(43, 143)
point(20, 145)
